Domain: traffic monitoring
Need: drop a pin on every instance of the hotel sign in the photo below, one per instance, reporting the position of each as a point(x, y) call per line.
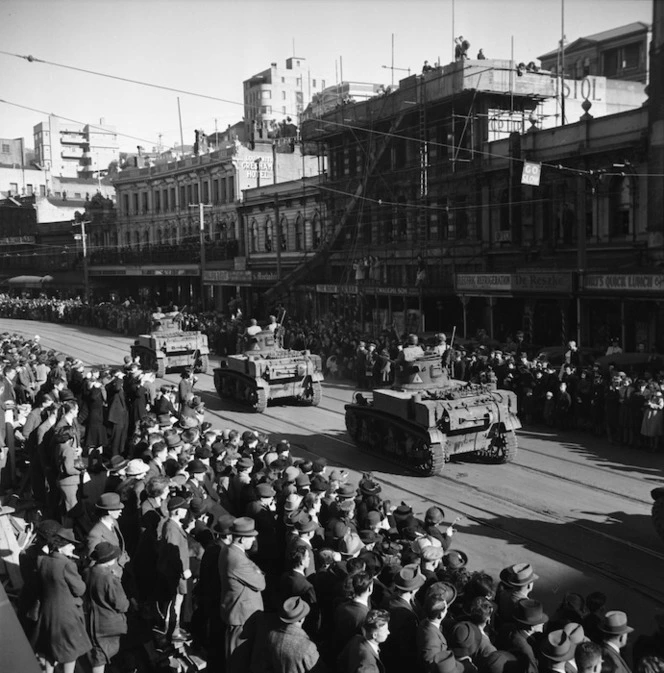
point(624, 282)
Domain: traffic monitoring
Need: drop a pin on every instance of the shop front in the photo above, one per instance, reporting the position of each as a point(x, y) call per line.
point(538, 303)
point(628, 307)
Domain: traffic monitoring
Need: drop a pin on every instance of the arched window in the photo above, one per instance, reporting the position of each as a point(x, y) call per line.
point(621, 199)
point(253, 234)
point(283, 229)
point(299, 232)
point(268, 235)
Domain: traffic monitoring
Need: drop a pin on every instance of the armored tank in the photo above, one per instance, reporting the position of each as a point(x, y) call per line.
point(427, 417)
point(658, 510)
point(168, 347)
point(266, 371)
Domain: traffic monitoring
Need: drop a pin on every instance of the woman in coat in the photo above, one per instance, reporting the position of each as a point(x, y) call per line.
point(96, 436)
point(107, 620)
point(69, 467)
point(61, 635)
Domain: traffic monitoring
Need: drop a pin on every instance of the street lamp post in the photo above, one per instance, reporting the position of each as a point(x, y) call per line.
point(86, 275)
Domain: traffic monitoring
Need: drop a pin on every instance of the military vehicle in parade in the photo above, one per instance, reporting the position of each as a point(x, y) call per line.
point(167, 346)
point(658, 510)
point(426, 417)
point(265, 371)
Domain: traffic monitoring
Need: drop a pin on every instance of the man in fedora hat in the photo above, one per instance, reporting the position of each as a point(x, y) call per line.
point(556, 650)
point(517, 581)
point(109, 507)
point(289, 648)
point(108, 605)
point(362, 651)
point(242, 582)
point(521, 637)
point(398, 649)
point(615, 632)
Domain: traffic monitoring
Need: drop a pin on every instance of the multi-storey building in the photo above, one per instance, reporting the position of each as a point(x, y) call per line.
point(155, 246)
point(73, 150)
point(618, 53)
point(275, 94)
point(339, 94)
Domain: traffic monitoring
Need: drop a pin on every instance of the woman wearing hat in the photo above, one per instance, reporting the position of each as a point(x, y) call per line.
point(130, 490)
point(107, 619)
point(94, 398)
point(61, 635)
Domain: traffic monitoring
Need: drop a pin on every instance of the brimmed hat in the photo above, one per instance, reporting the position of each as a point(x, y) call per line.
point(136, 467)
point(557, 646)
point(176, 502)
point(529, 611)
point(164, 421)
point(47, 529)
point(305, 524)
point(445, 662)
point(350, 545)
point(369, 487)
point(116, 463)
point(409, 578)
point(203, 452)
point(244, 527)
point(368, 536)
point(65, 535)
point(372, 518)
point(173, 440)
point(249, 436)
point(338, 475)
point(614, 623)
point(292, 502)
point(197, 506)
point(518, 575)
point(455, 559)
point(318, 484)
point(109, 502)
point(188, 422)
point(265, 491)
point(105, 552)
point(196, 466)
point(291, 473)
point(445, 590)
point(465, 639)
point(293, 610)
point(575, 632)
point(346, 492)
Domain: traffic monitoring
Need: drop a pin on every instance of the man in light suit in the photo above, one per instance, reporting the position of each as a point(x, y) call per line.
point(615, 631)
point(361, 653)
point(242, 582)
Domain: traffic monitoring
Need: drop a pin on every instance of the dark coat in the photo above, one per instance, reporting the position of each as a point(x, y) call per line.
point(348, 620)
point(612, 661)
point(359, 657)
point(515, 641)
point(290, 650)
point(397, 651)
point(101, 533)
point(61, 633)
point(117, 404)
point(108, 603)
point(173, 557)
point(430, 641)
point(96, 434)
point(242, 582)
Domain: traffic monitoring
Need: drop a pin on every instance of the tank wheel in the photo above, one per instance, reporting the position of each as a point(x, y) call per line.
point(203, 364)
point(658, 516)
point(352, 424)
point(161, 367)
point(260, 403)
point(315, 394)
point(502, 448)
point(427, 459)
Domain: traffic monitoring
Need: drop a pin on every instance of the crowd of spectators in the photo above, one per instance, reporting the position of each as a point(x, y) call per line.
point(228, 549)
point(626, 405)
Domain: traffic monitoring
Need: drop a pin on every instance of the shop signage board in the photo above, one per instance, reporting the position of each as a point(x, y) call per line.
point(551, 282)
point(480, 282)
point(624, 282)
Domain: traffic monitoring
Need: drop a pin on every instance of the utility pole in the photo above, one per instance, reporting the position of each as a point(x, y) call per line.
point(201, 222)
point(86, 275)
point(276, 209)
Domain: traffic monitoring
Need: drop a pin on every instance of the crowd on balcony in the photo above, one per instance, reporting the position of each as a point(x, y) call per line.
point(207, 546)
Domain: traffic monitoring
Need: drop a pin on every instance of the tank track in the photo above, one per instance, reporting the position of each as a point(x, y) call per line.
point(231, 386)
point(395, 440)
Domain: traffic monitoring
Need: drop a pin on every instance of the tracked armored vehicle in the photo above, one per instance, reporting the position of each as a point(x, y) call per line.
point(168, 347)
point(265, 371)
point(427, 417)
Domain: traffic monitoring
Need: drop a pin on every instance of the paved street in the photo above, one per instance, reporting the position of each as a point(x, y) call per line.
point(575, 507)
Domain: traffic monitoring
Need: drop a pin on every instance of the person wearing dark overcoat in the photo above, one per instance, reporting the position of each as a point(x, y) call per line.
point(242, 582)
point(519, 637)
point(263, 512)
point(69, 468)
point(350, 615)
point(289, 648)
point(118, 416)
point(398, 654)
point(61, 633)
point(131, 490)
point(430, 640)
point(96, 435)
point(615, 632)
point(108, 604)
point(294, 583)
point(109, 507)
point(362, 651)
point(173, 565)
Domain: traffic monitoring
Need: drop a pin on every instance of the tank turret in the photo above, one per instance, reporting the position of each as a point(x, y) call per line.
point(265, 371)
point(427, 417)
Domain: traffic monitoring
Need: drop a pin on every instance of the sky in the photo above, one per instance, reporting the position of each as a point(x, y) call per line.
point(211, 46)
